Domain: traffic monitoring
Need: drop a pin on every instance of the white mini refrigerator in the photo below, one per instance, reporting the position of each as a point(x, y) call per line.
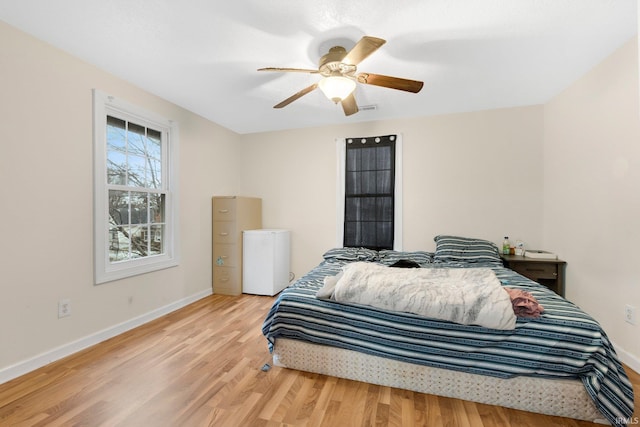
point(265, 261)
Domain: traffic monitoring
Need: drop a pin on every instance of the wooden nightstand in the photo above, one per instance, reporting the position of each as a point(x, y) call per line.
point(547, 272)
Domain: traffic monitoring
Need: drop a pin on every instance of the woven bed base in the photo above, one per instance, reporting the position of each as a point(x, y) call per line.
point(564, 398)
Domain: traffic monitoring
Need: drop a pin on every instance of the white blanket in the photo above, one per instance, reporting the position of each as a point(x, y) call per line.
point(470, 296)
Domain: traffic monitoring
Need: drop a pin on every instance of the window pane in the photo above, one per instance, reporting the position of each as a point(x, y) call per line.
point(118, 207)
point(136, 137)
point(137, 172)
point(154, 175)
point(156, 242)
point(116, 134)
point(156, 207)
point(116, 168)
point(138, 208)
point(154, 147)
point(119, 247)
point(116, 151)
point(138, 241)
point(134, 154)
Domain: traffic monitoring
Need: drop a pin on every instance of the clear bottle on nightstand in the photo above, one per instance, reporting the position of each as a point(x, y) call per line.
point(506, 246)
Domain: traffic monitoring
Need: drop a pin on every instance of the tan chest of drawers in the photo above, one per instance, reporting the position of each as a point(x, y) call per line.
point(231, 215)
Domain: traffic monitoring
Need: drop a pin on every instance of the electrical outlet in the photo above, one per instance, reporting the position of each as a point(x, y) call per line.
point(64, 308)
point(630, 314)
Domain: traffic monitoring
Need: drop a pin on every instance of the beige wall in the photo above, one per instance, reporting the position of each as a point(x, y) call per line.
point(592, 192)
point(46, 201)
point(477, 174)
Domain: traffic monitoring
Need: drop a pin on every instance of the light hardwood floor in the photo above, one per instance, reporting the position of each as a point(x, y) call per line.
point(201, 366)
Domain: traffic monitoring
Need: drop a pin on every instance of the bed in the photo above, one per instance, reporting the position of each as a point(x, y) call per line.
point(560, 363)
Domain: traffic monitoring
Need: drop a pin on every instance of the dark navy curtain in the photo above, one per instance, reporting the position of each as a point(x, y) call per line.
point(369, 192)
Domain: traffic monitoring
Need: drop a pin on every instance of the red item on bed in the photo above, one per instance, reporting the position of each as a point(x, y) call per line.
point(524, 304)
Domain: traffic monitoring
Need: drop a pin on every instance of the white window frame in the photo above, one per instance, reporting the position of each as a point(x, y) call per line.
point(104, 270)
point(341, 150)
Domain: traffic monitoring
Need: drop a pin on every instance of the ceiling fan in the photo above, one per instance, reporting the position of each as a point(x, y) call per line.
point(338, 69)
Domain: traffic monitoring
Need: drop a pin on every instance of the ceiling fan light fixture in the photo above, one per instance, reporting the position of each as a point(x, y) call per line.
point(339, 79)
point(337, 88)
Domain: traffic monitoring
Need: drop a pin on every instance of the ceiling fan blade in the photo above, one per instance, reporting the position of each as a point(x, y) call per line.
point(349, 105)
point(390, 82)
point(297, 95)
point(365, 47)
point(289, 70)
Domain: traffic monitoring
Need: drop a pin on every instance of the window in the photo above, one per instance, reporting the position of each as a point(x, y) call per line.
point(135, 217)
point(370, 192)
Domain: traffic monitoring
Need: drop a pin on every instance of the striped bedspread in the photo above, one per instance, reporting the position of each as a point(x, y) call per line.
point(564, 342)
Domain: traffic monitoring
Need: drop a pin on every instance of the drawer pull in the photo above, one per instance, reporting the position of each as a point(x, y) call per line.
point(223, 234)
point(225, 279)
point(223, 210)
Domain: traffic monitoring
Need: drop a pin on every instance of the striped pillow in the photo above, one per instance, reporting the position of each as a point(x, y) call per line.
point(388, 257)
point(351, 254)
point(454, 248)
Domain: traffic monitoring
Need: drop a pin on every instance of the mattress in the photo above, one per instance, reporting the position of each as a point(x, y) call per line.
point(565, 343)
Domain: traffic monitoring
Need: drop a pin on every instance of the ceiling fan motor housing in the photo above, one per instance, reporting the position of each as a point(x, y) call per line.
point(331, 64)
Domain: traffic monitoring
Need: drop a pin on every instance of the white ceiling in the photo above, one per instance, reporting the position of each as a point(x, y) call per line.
point(203, 54)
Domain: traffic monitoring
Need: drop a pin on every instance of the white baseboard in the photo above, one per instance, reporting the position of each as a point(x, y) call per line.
point(627, 358)
point(65, 350)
